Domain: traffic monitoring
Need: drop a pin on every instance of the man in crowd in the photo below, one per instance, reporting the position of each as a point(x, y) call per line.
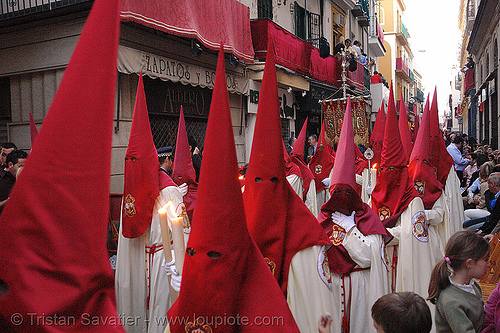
point(14, 163)
point(491, 226)
point(313, 145)
point(166, 160)
point(455, 150)
point(7, 147)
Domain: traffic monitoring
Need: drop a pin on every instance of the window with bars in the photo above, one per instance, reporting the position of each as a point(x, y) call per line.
point(265, 9)
point(313, 24)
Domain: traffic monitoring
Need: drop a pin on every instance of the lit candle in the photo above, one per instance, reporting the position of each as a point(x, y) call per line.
point(165, 234)
point(178, 238)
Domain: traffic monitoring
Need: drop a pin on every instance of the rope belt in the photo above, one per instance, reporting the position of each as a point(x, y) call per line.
point(346, 316)
point(394, 266)
point(150, 251)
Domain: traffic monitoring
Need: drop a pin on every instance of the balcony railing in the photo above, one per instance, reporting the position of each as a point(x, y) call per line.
point(420, 95)
point(16, 8)
point(380, 33)
point(401, 66)
point(404, 31)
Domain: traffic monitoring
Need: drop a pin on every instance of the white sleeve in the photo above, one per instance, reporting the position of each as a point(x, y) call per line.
point(359, 247)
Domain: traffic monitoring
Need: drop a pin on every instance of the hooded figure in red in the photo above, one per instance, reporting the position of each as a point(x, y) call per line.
point(141, 176)
point(394, 191)
point(33, 129)
point(278, 220)
point(440, 158)
point(183, 169)
point(377, 136)
point(356, 234)
point(422, 174)
point(53, 258)
point(321, 163)
point(297, 157)
point(226, 285)
point(404, 129)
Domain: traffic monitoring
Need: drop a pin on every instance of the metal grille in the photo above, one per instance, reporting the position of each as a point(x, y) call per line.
point(314, 28)
point(285, 129)
point(164, 130)
point(15, 8)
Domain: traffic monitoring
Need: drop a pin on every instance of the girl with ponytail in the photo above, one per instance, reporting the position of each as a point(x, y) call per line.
point(458, 297)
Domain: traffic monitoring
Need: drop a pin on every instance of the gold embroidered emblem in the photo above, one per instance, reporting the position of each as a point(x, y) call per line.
point(271, 264)
point(198, 327)
point(324, 269)
point(130, 206)
point(384, 213)
point(420, 227)
point(186, 225)
point(317, 169)
point(420, 186)
point(338, 234)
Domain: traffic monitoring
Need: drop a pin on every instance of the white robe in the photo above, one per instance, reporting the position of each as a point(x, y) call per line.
point(454, 207)
point(366, 285)
point(417, 253)
point(369, 179)
point(133, 269)
point(322, 197)
point(310, 199)
point(307, 295)
point(296, 183)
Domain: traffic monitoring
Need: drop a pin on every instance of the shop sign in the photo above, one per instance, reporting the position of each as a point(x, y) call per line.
point(154, 66)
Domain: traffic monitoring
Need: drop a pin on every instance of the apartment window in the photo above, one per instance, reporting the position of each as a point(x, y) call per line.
point(338, 18)
point(487, 64)
point(495, 54)
point(265, 9)
point(313, 24)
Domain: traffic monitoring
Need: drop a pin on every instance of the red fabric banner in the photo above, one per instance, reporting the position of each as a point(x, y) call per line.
point(357, 77)
point(294, 53)
point(289, 50)
point(334, 115)
point(211, 22)
point(469, 79)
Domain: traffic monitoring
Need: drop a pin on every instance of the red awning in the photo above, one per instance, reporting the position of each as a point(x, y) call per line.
point(294, 53)
point(290, 51)
point(469, 79)
point(210, 21)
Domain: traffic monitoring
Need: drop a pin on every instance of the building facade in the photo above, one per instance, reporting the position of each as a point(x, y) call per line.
point(480, 86)
point(178, 63)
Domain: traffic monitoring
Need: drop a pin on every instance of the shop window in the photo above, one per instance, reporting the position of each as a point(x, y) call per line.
point(265, 9)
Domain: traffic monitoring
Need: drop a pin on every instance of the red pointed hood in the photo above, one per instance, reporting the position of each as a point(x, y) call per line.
point(393, 191)
point(140, 188)
point(321, 163)
point(220, 249)
point(323, 143)
point(422, 174)
point(299, 147)
point(404, 129)
point(33, 129)
point(440, 158)
point(343, 170)
point(53, 256)
point(278, 219)
point(291, 167)
point(377, 136)
point(297, 157)
point(346, 200)
point(415, 127)
point(183, 169)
